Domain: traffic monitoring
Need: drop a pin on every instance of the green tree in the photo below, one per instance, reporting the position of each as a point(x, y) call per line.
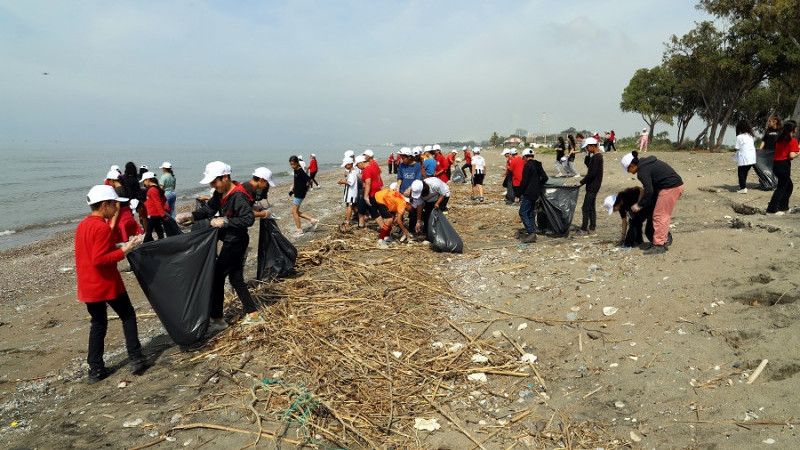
point(494, 139)
point(650, 92)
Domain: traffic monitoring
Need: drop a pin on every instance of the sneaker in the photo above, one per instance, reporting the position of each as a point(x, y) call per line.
point(138, 365)
point(780, 213)
point(96, 375)
point(592, 233)
point(645, 246)
point(314, 223)
point(655, 250)
point(250, 320)
point(473, 198)
point(742, 191)
point(215, 326)
point(529, 238)
point(382, 244)
point(480, 199)
point(297, 234)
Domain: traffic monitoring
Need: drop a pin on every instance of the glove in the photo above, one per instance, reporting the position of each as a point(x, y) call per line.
point(183, 217)
point(218, 222)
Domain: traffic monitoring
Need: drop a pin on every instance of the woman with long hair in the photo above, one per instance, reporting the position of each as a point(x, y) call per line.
point(786, 149)
point(167, 183)
point(572, 147)
point(745, 153)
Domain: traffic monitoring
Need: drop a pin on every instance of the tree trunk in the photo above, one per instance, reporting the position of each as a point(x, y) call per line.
point(724, 125)
point(699, 139)
point(711, 135)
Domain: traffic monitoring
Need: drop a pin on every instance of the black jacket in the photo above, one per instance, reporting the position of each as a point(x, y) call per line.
point(655, 175)
point(594, 176)
point(237, 208)
point(533, 178)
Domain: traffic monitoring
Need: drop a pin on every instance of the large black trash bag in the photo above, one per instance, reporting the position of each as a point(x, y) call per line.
point(203, 223)
point(176, 276)
point(557, 206)
point(442, 235)
point(763, 167)
point(276, 254)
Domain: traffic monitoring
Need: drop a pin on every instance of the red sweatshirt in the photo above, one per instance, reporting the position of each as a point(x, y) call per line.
point(96, 257)
point(156, 203)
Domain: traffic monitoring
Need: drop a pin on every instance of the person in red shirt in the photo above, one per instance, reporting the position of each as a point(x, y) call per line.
point(390, 163)
point(515, 166)
point(313, 168)
point(441, 164)
point(99, 282)
point(156, 205)
point(467, 162)
point(371, 177)
point(786, 149)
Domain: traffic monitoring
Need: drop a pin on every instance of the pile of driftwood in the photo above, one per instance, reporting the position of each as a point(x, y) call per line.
point(359, 350)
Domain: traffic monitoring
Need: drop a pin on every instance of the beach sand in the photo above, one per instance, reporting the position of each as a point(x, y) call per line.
point(668, 369)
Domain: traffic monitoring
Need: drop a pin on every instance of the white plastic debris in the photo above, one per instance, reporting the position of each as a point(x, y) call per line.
point(635, 437)
point(619, 404)
point(478, 358)
point(522, 326)
point(769, 441)
point(426, 424)
point(397, 354)
point(437, 345)
point(609, 310)
point(122, 384)
point(477, 376)
point(528, 357)
point(132, 423)
point(455, 347)
point(496, 334)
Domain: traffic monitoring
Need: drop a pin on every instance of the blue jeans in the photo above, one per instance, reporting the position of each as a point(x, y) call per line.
point(171, 197)
point(527, 212)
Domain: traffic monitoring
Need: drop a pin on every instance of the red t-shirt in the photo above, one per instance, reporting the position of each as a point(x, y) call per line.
point(96, 257)
point(312, 166)
point(783, 148)
point(468, 157)
point(155, 203)
point(372, 172)
point(441, 165)
point(515, 165)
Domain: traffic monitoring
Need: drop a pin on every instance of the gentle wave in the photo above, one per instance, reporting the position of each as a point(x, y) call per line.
point(7, 232)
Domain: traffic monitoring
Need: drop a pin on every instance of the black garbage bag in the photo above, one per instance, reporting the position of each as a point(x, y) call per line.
point(276, 254)
point(442, 235)
point(458, 175)
point(766, 179)
point(203, 223)
point(557, 206)
point(176, 276)
point(171, 228)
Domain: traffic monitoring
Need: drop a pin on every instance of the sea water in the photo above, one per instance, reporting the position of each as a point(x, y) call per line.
point(44, 187)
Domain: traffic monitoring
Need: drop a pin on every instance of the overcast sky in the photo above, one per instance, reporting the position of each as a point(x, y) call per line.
point(329, 73)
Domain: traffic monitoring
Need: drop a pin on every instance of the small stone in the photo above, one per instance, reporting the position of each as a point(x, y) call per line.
point(619, 404)
point(479, 377)
point(522, 326)
point(769, 441)
point(478, 358)
point(610, 310)
point(635, 437)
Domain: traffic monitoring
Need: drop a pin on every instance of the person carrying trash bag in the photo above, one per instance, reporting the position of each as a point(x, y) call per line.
point(533, 178)
point(427, 195)
point(234, 206)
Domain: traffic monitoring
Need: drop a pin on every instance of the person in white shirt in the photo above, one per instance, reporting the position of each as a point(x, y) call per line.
point(478, 174)
point(745, 156)
point(350, 183)
point(427, 195)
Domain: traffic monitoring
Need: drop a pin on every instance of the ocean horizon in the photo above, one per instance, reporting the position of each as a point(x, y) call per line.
point(45, 186)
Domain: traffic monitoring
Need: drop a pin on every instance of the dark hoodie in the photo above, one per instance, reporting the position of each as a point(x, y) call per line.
point(655, 175)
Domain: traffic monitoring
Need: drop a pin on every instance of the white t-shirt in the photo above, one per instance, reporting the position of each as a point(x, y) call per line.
point(479, 163)
point(438, 188)
point(351, 189)
point(745, 150)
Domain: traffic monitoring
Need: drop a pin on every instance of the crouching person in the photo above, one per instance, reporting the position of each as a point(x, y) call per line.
point(100, 284)
point(391, 206)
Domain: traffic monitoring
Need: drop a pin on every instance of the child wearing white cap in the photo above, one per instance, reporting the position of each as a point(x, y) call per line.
point(100, 284)
point(167, 183)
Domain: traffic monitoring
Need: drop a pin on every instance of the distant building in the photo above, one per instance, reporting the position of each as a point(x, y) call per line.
point(521, 132)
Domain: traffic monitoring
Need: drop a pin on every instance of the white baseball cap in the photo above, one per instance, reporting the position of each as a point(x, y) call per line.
point(166, 165)
point(112, 175)
point(416, 189)
point(369, 153)
point(144, 166)
point(213, 170)
point(437, 147)
point(626, 161)
point(360, 159)
point(506, 151)
point(528, 152)
point(393, 186)
point(147, 176)
point(349, 154)
point(101, 193)
point(428, 148)
point(589, 141)
point(608, 203)
point(264, 173)
point(405, 151)
point(453, 151)
point(115, 167)
point(464, 147)
point(476, 150)
point(513, 151)
point(300, 157)
point(347, 161)
point(313, 155)
point(416, 151)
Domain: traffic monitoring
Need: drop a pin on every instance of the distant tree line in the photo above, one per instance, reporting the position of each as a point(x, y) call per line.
point(747, 68)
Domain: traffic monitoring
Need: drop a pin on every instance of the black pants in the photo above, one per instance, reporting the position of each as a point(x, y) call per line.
point(589, 211)
point(465, 167)
point(154, 223)
point(312, 178)
point(634, 235)
point(97, 332)
point(230, 263)
point(780, 198)
point(742, 172)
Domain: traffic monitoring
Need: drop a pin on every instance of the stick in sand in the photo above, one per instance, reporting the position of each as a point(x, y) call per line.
point(757, 372)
